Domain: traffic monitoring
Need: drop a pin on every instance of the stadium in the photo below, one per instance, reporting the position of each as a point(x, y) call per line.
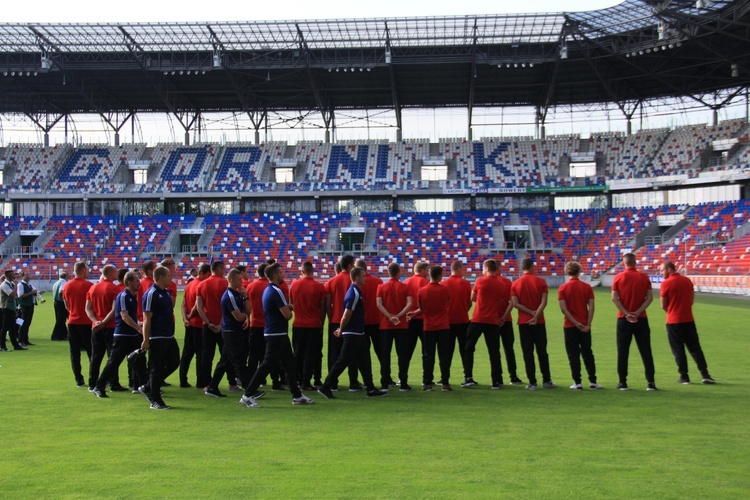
point(679, 193)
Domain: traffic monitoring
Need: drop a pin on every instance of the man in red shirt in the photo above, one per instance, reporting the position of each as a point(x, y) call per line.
point(308, 298)
point(394, 302)
point(458, 312)
point(417, 280)
point(488, 293)
point(79, 324)
point(576, 300)
point(208, 303)
point(336, 289)
point(257, 342)
point(434, 305)
point(169, 264)
point(506, 329)
point(372, 315)
point(529, 296)
point(631, 294)
point(100, 308)
point(677, 294)
point(146, 281)
point(192, 346)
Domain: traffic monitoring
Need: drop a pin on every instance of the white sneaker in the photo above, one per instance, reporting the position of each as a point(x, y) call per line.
point(249, 402)
point(578, 387)
point(302, 400)
point(531, 387)
point(594, 385)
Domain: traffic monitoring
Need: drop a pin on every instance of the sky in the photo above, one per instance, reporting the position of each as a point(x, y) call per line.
point(79, 11)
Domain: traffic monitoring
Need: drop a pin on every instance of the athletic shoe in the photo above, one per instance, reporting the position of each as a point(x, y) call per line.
point(306, 388)
point(278, 387)
point(302, 400)
point(549, 384)
point(29, 343)
point(334, 388)
point(447, 388)
point(577, 387)
point(516, 381)
point(594, 385)
point(118, 388)
point(91, 389)
point(318, 383)
point(393, 384)
point(20, 348)
point(496, 386)
point(185, 385)
point(235, 388)
point(651, 386)
point(708, 380)
point(374, 393)
point(214, 393)
point(326, 393)
point(259, 394)
point(80, 383)
point(683, 380)
point(355, 387)
point(159, 405)
point(135, 391)
point(622, 386)
point(404, 388)
point(142, 391)
point(427, 387)
point(384, 388)
point(469, 382)
point(3, 349)
point(166, 384)
point(249, 402)
point(99, 393)
point(531, 387)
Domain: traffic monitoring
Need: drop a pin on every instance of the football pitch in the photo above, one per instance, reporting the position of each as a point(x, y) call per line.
point(691, 441)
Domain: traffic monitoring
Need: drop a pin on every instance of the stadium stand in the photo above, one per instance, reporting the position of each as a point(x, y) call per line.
point(93, 168)
point(240, 166)
point(32, 165)
point(182, 169)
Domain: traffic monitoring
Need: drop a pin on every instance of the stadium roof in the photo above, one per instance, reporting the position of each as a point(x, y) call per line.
point(634, 51)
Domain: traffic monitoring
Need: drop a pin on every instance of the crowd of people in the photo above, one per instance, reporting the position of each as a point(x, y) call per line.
point(131, 316)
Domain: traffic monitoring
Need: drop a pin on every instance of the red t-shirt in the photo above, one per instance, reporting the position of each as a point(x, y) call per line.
point(489, 291)
point(414, 283)
point(393, 293)
point(503, 300)
point(210, 290)
point(576, 295)
point(255, 295)
point(434, 300)
point(74, 293)
point(632, 286)
point(102, 297)
point(678, 290)
point(460, 292)
point(370, 298)
point(529, 290)
point(191, 295)
point(337, 288)
point(145, 285)
point(308, 297)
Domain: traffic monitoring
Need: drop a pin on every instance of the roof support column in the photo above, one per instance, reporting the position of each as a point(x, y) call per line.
point(472, 79)
point(258, 118)
point(329, 119)
point(47, 125)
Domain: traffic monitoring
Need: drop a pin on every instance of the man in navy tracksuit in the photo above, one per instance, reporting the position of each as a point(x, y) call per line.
point(356, 345)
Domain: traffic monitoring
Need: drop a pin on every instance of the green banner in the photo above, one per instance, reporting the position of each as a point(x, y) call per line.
point(568, 189)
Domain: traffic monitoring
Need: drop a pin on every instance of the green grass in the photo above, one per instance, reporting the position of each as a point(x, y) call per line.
point(682, 441)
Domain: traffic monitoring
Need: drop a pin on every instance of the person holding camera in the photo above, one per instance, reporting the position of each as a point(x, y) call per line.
point(8, 307)
point(27, 297)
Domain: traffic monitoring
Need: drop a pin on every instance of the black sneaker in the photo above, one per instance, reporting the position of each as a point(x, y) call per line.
point(497, 386)
point(118, 388)
point(279, 387)
point(516, 381)
point(708, 380)
point(651, 386)
point(99, 393)
point(622, 386)
point(20, 348)
point(684, 380)
point(374, 393)
point(404, 388)
point(159, 405)
point(326, 393)
point(469, 382)
point(185, 385)
point(3, 349)
point(356, 387)
point(214, 393)
point(80, 383)
point(29, 343)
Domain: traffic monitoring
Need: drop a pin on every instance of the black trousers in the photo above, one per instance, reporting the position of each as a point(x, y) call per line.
point(9, 329)
point(458, 331)
point(406, 342)
point(307, 352)
point(508, 339)
point(354, 349)
point(492, 340)
point(192, 347)
point(682, 335)
point(79, 337)
point(626, 331)
point(535, 337)
point(278, 351)
point(577, 346)
point(121, 347)
point(233, 357)
point(444, 342)
point(101, 343)
point(373, 333)
point(208, 346)
point(334, 351)
point(60, 331)
point(27, 314)
point(386, 346)
point(163, 360)
point(256, 352)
